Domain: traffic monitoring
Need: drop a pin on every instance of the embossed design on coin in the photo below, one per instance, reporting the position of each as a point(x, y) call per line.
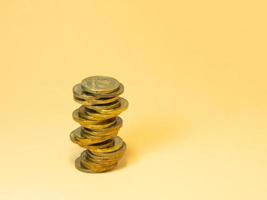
point(98, 117)
point(100, 84)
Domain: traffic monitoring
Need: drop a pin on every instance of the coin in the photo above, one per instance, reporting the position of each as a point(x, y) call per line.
point(89, 114)
point(100, 84)
point(89, 169)
point(79, 93)
point(93, 166)
point(94, 101)
point(110, 155)
point(111, 105)
point(94, 125)
point(86, 99)
point(86, 133)
point(77, 116)
point(103, 124)
point(79, 138)
point(105, 131)
point(117, 92)
point(115, 111)
point(118, 143)
point(82, 119)
point(102, 114)
point(92, 114)
point(81, 167)
point(98, 160)
point(105, 144)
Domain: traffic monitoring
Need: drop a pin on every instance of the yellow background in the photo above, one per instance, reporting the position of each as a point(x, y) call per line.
point(195, 76)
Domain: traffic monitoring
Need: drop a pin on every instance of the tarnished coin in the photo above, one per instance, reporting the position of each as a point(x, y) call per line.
point(100, 84)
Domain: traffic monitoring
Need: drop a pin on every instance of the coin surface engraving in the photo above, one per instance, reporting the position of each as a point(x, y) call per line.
point(100, 84)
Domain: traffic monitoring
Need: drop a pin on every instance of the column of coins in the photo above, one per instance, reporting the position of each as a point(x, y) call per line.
point(101, 104)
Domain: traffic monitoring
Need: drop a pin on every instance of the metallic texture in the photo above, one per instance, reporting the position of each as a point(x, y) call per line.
point(98, 117)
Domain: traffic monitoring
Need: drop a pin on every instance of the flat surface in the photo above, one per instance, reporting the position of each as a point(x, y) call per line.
point(195, 76)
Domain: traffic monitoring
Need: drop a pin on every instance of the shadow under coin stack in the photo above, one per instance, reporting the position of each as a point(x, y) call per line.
point(98, 117)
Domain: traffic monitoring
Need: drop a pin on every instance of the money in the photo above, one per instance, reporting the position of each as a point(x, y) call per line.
point(84, 98)
point(98, 117)
point(100, 84)
point(84, 140)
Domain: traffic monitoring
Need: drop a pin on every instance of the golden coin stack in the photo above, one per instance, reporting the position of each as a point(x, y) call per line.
point(100, 123)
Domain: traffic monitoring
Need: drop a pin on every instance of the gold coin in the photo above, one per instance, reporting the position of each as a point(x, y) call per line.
point(116, 155)
point(86, 133)
point(118, 144)
point(98, 160)
point(79, 118)
point(83, 112)
point(115, 111)
point(80, 94)
point(102, 114)
point(100, 84)
point(95, 167)
point(93, 115)
point(92, 124)
point(77, 137)
point(94, 101)
point(86, 113)
point(100, 101)
point(84, 98)
point(117, 92)
point(81, 168)
point(101, 125)
point(105, 131)
point(89, 162)
point(107, 106)
point(104, 144)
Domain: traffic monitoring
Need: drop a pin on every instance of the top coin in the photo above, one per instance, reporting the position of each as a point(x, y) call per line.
point(100, 84)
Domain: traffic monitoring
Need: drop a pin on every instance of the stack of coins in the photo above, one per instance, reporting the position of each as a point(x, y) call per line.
point(98, 117)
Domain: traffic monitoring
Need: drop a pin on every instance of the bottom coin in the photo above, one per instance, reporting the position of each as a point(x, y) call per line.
point(81, 168)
